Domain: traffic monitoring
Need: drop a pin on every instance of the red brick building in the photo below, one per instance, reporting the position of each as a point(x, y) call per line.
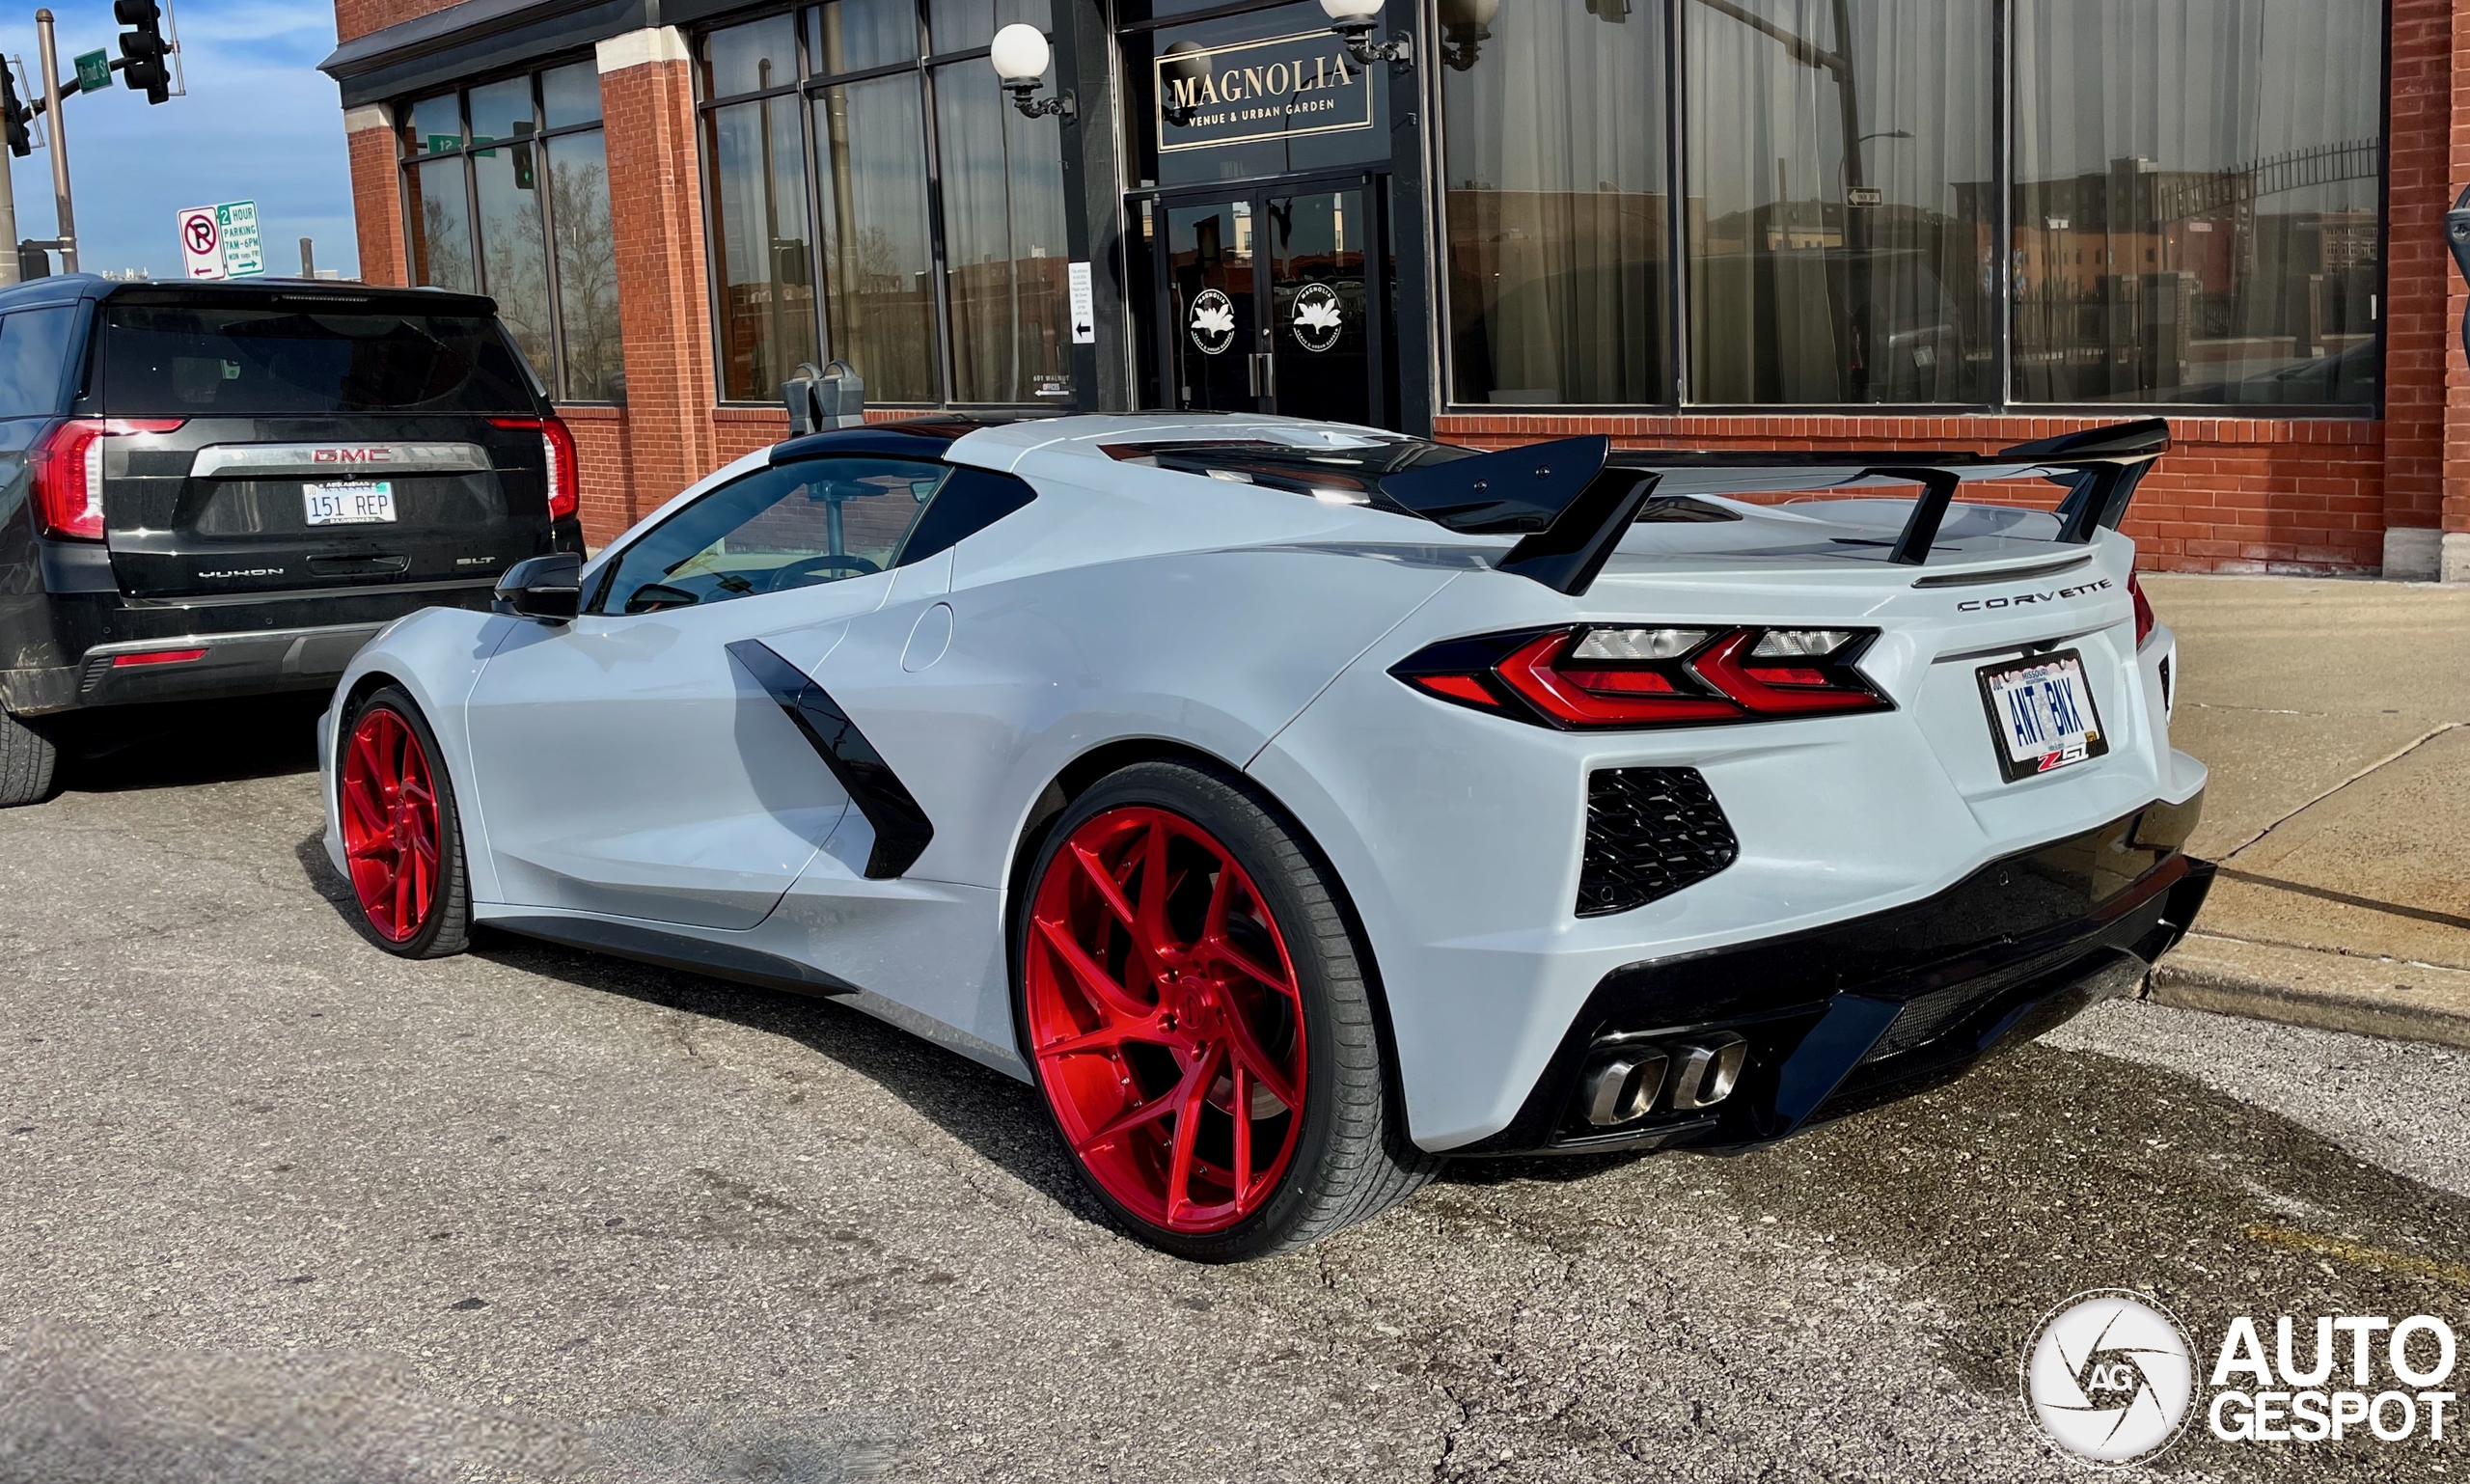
point(1694, 223)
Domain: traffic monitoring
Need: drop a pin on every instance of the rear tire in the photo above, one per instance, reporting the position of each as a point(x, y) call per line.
point(403, 838)
point(1240, 985)
point(29, 762)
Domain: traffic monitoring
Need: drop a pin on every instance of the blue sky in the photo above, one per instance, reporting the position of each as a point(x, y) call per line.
point(259, 122)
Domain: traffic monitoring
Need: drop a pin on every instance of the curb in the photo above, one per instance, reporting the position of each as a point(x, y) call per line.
point(2386, 997)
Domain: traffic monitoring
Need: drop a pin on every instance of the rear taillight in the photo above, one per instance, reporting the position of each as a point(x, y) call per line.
point(1590, 678)
point(66, 468)
point(557, 458)
point(2144, 620)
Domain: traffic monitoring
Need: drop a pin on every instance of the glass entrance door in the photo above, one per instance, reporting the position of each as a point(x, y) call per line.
point(1213, 286)
point(1272, 301)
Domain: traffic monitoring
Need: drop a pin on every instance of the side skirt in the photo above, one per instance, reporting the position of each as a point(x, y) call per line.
point(647, 944)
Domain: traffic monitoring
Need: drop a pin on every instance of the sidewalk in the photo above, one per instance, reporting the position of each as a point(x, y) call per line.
point(2336, 718)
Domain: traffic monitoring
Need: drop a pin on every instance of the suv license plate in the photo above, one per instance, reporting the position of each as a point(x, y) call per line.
point(359, 502)
point(2041, 714)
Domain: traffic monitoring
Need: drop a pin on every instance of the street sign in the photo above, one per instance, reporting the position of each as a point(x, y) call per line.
point(94, 72)
point(201, 242)
point(221, 241)
point(1865, 196)
point(243, 254)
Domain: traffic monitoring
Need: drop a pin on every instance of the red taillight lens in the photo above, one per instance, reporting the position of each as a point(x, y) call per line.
point(66, 468)
point(1594, 697)
point(558, 459)
point(1649, 678)
point(156, 657)
point(2144, 620)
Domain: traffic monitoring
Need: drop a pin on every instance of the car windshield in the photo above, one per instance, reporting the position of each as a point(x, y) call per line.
point(203, 360)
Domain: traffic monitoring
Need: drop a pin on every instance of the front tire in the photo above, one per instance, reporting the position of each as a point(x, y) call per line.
point(402, 838)
point(1196, 1008)
point(29, 763)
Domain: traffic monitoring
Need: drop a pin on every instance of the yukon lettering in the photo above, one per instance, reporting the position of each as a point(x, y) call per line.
point(2019, 599)
point(247, 571)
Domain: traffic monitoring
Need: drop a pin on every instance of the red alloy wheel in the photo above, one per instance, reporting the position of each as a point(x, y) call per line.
point(1166, 1018)
point(391, 836)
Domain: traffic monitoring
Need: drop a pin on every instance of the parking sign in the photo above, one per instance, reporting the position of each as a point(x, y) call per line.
point(221, 241)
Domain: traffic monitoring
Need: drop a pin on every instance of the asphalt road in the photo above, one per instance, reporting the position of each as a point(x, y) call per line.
point(276, 1207)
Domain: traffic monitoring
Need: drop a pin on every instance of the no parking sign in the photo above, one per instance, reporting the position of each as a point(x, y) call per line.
point(202, 243)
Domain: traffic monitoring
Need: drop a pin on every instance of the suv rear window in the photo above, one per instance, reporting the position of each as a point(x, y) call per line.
point(202, 360)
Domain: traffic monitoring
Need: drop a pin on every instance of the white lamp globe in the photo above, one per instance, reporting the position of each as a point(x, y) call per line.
point(1350, 10)
point(1020, 53)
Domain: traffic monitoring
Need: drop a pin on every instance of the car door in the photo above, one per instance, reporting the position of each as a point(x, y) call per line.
point(627, 763)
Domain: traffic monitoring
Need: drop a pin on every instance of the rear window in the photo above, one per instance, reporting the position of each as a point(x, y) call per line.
point(198, 361)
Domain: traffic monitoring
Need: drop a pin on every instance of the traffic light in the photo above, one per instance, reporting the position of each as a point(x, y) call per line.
point(143, 48)
point(14, 115)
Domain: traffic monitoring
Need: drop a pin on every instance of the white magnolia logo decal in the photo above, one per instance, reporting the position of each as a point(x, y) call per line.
point(1213, 324)
point(1318, 316)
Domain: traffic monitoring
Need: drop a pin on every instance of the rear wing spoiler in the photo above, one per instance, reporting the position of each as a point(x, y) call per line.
point(1575, 497)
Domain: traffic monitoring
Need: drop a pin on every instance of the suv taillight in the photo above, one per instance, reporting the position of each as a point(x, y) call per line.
point(1605, 676)
point(2144, 620)
point(66, 468)
point(557, 457)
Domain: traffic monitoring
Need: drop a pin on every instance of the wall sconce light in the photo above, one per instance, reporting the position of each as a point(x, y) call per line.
point(1020, 56)
point(1465, 26)
point(1182, 62)
point(1353, 21)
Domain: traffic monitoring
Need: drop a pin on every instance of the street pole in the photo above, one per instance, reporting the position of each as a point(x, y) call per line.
point(50, 56)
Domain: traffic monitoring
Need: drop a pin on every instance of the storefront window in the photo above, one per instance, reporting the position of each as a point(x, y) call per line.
point(930, 213)
point(595, 366)
point(878, 270)
point(2185, 211)
point(1556, 206)
point(440, 218)
point(535, 166)
point(761, 246)
point(515, 261)
point(857, 35)
point(1003, 241)
point(1839, 243)
point(2195, 201)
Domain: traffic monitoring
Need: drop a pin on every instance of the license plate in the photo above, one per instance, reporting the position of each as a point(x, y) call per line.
point(2042, 715)
point(359, 502)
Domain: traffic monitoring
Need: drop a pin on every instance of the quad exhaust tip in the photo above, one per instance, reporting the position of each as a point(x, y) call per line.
point(1706, 1069)
point(1686, 1076)
point(1622, 1089)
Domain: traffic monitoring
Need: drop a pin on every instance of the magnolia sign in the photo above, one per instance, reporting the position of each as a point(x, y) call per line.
point(1209, 96)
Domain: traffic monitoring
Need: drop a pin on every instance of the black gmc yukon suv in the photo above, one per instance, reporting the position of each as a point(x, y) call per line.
point(225, 489)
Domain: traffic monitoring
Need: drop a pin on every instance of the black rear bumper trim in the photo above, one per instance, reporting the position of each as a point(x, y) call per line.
point(1844, 1017)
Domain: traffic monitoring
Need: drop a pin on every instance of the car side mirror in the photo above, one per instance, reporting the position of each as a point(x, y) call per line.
point(549, 586)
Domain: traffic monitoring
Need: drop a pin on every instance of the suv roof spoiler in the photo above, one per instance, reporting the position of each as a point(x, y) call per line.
point(1574, 497)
